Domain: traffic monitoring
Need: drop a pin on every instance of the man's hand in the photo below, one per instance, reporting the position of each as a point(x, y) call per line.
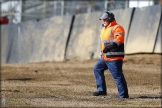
point(110, 47)
point(106, 49)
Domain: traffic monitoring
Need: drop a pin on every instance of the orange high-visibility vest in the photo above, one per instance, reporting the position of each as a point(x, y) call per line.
point(113, 33)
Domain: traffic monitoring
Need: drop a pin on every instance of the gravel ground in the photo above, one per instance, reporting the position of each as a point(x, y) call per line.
point(71, 83)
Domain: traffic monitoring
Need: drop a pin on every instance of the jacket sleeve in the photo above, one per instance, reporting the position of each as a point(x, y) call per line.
point(119, 35)
point(118, 38)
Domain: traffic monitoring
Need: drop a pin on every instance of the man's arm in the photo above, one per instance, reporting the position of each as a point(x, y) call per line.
point(119, 35)
point(118, 39)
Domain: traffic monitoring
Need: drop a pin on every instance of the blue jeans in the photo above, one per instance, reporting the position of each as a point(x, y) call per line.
point(115, 67)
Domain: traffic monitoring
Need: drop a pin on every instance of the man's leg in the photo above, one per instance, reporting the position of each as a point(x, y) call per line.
point(115, 68)
point(99, 75)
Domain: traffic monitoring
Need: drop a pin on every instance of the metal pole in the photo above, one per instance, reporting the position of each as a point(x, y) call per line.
point(106, 5)
point(21, 5)
point(62, 7)
point(138, 3)
point(127, 4)
point(54, 7)
point(149, 3)
point(22, 10)
point(45, 9)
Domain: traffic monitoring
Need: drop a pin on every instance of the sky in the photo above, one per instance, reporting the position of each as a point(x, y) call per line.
point(140, 3)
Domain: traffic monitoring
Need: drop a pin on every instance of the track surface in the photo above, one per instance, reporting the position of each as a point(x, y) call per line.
point(71, 83)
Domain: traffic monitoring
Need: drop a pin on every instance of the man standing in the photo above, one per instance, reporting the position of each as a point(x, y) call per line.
point(112, 55)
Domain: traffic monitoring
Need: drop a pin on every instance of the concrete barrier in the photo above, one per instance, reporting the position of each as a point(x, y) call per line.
point(4, 43)
point(144, 27)
point(7, 33)
point(158, 44)
point(41, 41)
point(52, 41)
point(14, 44)
point(85, 37)
point(21, 49)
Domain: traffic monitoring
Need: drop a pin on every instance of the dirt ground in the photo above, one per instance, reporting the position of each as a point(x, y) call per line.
point(71, 83)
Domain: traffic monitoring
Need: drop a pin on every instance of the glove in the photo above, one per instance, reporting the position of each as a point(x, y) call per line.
point(106, 49)
point(111, 47)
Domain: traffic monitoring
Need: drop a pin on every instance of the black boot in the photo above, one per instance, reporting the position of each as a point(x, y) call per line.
point(98, 93)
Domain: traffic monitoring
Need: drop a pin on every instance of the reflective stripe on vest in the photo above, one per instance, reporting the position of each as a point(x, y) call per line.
point(116, 42)
point(111, 37)
point(118, 33)
point(114, 53)
point(108, 41)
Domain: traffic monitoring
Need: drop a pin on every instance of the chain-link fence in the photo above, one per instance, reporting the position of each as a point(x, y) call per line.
point(40, 9)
